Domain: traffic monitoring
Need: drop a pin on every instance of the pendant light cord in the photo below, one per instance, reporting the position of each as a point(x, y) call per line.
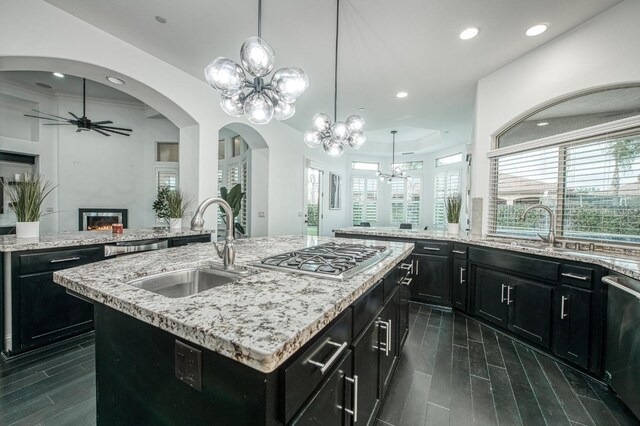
point(260, 18)
point(84, 97)
point(335, 71)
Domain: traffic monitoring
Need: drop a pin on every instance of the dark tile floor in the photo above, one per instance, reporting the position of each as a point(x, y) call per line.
point(456, 371)
point(453, 371)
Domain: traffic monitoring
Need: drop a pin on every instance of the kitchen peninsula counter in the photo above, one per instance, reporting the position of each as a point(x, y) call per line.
point(258, 321)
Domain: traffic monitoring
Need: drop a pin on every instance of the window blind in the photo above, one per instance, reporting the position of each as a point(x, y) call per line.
point(245, 184)
point(592, 186)
point(364, 200)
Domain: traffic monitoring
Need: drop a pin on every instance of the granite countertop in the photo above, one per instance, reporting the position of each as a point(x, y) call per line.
point(85, 238)
point(625, 264)
point(259, 321)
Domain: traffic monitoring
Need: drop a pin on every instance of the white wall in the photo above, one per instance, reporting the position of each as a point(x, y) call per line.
point(600, 52)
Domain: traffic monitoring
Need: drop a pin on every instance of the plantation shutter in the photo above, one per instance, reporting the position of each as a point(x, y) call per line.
point(446, 184)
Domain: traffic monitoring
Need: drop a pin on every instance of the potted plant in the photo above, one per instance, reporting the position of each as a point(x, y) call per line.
point(234, 198)
point(453, 205)
point(26, 197)
point(171, 206)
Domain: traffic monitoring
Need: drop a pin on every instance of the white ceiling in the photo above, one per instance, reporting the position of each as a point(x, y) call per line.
point(385, 47)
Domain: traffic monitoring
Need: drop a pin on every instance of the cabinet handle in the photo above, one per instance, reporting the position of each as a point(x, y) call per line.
point(509, 301)
point(577, 277)
point(386, 326)
point(66, 259)
point(459, 252)
point(389, 336)
point(406, 266)
point(406, 281)
point(430, 248)
point(502, 299)
point(325, 366)
point(353, 412)
point(417, 266)
point(462, 281)
point(563, 315)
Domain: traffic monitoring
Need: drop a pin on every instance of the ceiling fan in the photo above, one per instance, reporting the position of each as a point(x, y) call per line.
point(83, 123)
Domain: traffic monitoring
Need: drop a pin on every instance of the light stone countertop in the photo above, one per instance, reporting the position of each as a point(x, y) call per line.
point(626, 265)
point(259, 321)
point(86, 238)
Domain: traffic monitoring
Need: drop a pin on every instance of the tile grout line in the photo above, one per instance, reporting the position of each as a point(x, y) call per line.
point(535, 396)
point(575, 393)
point(600, 399)
point(508, 378)
point(535, 356)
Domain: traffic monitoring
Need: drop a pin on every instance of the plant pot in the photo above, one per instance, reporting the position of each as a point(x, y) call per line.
point(27, 229)
point(175, 223)
point(453, 228)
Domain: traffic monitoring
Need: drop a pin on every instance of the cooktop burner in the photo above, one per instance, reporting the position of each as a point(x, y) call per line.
point(331, 260)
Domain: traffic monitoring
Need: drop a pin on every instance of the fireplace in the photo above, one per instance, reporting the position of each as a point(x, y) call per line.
point(99, 219)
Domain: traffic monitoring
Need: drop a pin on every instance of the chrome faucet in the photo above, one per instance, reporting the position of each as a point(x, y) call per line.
point(551, 238)
point(228, 252)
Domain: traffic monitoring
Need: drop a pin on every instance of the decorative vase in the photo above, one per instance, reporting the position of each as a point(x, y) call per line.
point(175, 223)
point(452, 228)
point(27, 229)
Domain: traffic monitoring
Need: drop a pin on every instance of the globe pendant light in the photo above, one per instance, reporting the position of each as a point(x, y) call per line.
point(255, 99)
point(334, 137)
point(396, 172)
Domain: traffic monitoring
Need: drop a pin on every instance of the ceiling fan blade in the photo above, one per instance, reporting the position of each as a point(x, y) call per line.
point(74, 116)
point(100, 131)
point(45, 118)
point(59, 124)
point(46, 113)
point(112, 131)
point(113, 128)
point(102, 122)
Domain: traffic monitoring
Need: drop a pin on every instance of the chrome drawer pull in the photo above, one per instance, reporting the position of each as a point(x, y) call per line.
point(431, 248)
point(386, 327)
point(353, 412)
point(502, 299)
point(389, 342)
point(459, 252)
point(325, 366)
point(406, 266)
point(577, 277)
point(612, 280)
point(563, 315)
point(509, 301)
point(462, 280)
point(66, 259)
point(406, 281)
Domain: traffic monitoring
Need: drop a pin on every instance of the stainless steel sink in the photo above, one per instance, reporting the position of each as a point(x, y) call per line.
point(185, 282)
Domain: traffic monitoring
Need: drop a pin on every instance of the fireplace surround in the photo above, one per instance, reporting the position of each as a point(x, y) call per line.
point(100, 219)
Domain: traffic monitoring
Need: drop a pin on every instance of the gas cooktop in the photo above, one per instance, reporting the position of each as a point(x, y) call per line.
point(338, 261)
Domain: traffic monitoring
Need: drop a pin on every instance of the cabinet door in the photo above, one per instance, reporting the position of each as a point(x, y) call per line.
point(530, 304)
point(573, 314)
point(432, 279)
point(459, 284)
point(366, 365)
point(47, 313)
point(388, 343)
point(329, 405)
point(403, 315)
point(490, 295)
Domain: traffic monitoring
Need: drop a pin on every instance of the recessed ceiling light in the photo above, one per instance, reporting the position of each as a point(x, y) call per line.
point(43, 85)
point(537, 30)
point(115, 80)
point(469, 33)
point(542, 123)
point(361, 108)
point(58, 74)
point(161, 19)
point(402, 94)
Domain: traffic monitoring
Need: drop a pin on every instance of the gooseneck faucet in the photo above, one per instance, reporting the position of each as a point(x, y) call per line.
point(551, 238)
point(228, 252)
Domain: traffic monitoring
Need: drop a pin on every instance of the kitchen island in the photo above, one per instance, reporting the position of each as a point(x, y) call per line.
point(271, 348)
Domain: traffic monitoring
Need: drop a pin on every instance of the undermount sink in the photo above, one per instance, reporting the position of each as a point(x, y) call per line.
point(185, 282)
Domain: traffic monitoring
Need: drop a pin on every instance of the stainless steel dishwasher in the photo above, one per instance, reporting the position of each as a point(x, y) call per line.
point(130, 247)
point(623, 339)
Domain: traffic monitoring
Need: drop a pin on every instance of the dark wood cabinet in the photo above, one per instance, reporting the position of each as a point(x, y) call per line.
point(530, 307)
point(459, 284)
point(572, 316)
point(388, 342)
point(366, 365)
point(431, 279)
point(490, 292)
point(403, 314)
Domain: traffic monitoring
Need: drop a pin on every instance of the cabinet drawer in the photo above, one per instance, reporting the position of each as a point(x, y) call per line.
point(576, 276)
point(33, 263)
point(183, 241)
point(316, 362)
point(367, 307)
point(437, 248)
point(544, 270)
point(459, 251)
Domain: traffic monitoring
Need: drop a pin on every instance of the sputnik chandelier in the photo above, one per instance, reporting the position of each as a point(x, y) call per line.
point(334, 136)
point(397, 172)
point(257, 100)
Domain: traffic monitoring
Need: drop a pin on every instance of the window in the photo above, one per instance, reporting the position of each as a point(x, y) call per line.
point(364, 200)
point(221, 144)
point(446, 184)
point(593, 187)
point(405, 200)
point(166, 178)
point(449, 160)
point(237, 144)
point(409, 165)
point(167, 152)
point(359, 165)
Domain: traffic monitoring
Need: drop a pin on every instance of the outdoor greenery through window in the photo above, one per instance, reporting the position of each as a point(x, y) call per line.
point(405, 200)
point(364, 200)
point(446, 184)
point(409, 165)
point(592, 186)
